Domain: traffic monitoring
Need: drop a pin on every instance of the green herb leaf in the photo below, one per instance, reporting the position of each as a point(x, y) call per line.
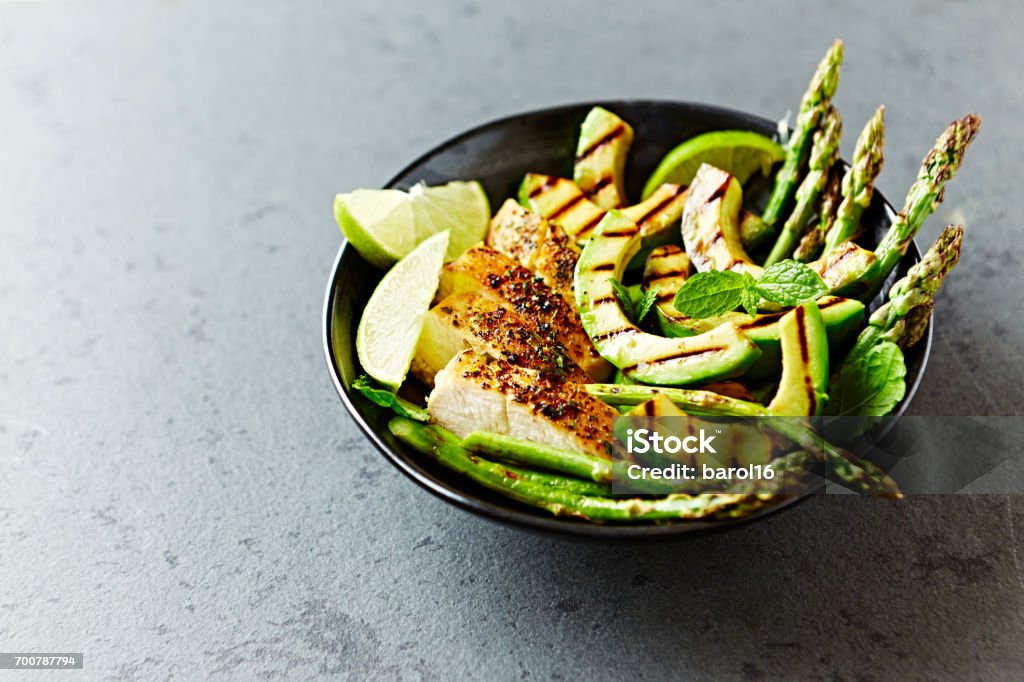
point(750, 298)
point(645, 304)
point(386, 398)
point(711, 293)
point(870, 384)
point(790, 283)
point(625, 300)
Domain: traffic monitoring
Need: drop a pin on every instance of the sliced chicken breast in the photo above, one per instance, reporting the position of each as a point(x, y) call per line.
point(517, 232)
point(470, 320)
point(475, 392)
point(484, 270)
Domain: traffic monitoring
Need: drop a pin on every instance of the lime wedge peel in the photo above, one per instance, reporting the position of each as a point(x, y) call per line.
point(741, 153)
point(384, 225)
point(393, 318)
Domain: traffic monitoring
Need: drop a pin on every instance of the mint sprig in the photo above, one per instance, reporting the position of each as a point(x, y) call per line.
point(869, 384)
point(711, 293)
point(636, 311)
point(790, 283)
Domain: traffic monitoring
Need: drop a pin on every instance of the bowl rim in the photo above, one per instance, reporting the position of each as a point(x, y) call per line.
point(528, 518)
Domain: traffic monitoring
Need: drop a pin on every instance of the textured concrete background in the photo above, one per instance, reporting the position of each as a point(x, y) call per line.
point(182, 493)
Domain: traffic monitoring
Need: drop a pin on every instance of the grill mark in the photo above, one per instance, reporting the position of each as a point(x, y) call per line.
point(665, 297)
point(611, 234)
point(566, 206)
point(543, 187)
point(762, 321)
point(687, 354)
point(649, 408)
point(601, 141)
point(604, 299)
point(615, 332)
point(812, 396)
point(666, 275)
point(591, 224)
point(633, 368)
point(601, 267)
point(667, 253)
point(846, 254)
point(598, 186)
point(720, 192)
point(661, 205)
point(801, 326)
point(835, 300)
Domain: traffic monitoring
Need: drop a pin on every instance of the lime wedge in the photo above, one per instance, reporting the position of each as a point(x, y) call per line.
point(738, 152)
point(393, 317)
point(384, 225)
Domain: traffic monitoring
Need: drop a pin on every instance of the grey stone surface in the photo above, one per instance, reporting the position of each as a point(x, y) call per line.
point(182, 493)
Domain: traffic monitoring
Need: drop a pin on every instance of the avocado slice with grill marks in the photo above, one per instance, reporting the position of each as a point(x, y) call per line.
point(666, 269)
point(561, 201)
point(842, 269)
point(719, 353)
point(601, 153)
point(711, 223)
point(803, 388)
point(842, 318)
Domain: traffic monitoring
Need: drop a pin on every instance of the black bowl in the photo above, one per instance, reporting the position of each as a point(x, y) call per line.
point(498, 154)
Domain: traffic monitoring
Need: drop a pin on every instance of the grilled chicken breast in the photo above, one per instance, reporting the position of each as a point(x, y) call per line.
point(556, 263)
point(517, 232)
point(489, 326)
point(475, 392)
point(537, 244)
point(482, 269)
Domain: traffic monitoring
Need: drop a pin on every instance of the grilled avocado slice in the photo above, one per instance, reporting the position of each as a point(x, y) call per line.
point(842, 318)
point(711, 223)
point(666, 269)
point(722, 352)
point(563, 202)
point(804, 383)
point(601, 158)
point(843, 267)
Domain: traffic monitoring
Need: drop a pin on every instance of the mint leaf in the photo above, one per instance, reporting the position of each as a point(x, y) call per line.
point(710, 293)
point(870, 384)
point(645, 304)
point(386, 398)
point(625, 300)
point(750, 298)
point(790, 283)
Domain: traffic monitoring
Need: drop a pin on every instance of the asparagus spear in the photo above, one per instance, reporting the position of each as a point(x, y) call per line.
point(567, 462)
point(938, 168)
point(858, 183)
point(904, 318)
point(503, 479)
point(853, 470)
point(824, 152)
point(817, 97)
point(812, 242)
point(566, 483)
point(506, 448)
